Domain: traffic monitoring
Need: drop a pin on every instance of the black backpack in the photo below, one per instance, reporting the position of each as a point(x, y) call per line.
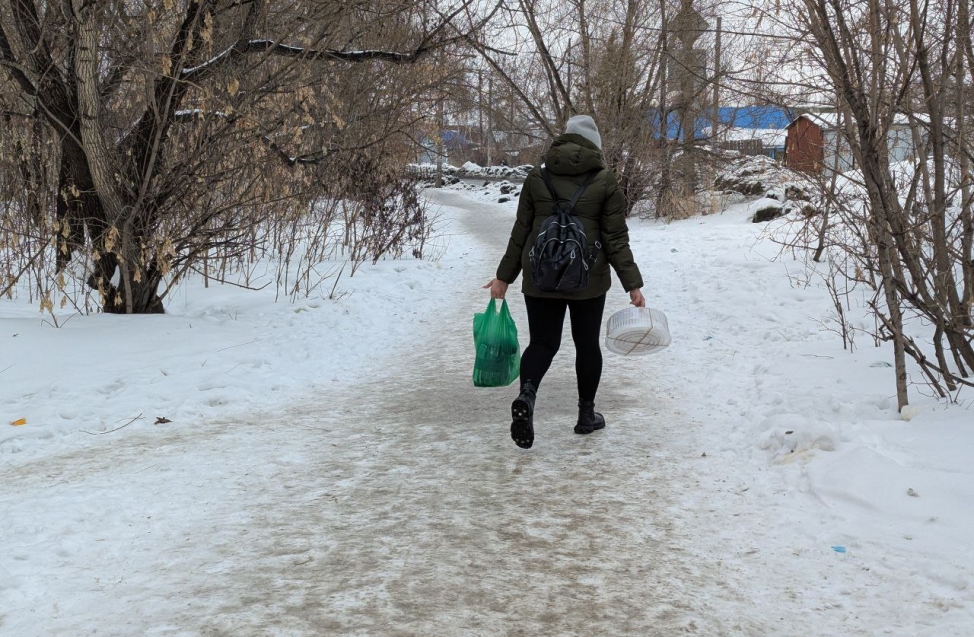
point(560, 258)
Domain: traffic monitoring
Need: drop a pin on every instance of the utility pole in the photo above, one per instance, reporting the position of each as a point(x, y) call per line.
point(510, 128)
point(480, 105)
point(490, 118)
point(716, 120)
point(569, 87)
point(688, 26)
point(663, 195)
point(439, 145)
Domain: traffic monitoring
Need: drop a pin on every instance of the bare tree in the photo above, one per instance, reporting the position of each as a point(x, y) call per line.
point(178, 127)
point(902, 73)
point(596, 57)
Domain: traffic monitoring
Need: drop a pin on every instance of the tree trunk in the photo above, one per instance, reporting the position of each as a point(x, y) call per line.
point(135, 297)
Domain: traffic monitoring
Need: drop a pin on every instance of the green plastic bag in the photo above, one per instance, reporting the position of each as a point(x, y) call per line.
point(498, 361)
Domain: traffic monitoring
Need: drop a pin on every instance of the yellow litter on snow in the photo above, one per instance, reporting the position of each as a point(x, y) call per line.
point(19, 422)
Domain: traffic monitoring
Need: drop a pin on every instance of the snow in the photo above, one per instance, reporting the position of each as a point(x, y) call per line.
point(328, 467)
point(216, 58)
point(198, 111)
point(829, 120)
point(470, 170)
point(217, 349)
point(762, 204)
point(770, 137)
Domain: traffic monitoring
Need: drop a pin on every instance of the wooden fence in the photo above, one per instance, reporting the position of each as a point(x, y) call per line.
point(745, 146)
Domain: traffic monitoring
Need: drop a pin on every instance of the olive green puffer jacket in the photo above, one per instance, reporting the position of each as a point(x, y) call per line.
point(601, 209)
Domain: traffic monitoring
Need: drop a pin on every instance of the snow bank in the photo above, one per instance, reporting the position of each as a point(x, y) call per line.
point(220, 352)
point(470, 170)
point(804, 437)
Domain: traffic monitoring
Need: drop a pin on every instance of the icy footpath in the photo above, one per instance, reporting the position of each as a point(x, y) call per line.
point(807, 479)
point(753, 479)
point(396, 504)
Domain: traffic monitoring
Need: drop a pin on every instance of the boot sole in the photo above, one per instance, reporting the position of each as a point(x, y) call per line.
point(522, 429)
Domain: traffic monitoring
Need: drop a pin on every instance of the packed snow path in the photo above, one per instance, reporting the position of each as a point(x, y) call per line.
point(400, 506)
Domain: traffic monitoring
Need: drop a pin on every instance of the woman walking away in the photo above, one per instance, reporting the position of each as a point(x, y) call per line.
point(573, 169)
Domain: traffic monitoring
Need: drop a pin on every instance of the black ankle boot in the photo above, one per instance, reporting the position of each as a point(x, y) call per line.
point(522, 416)
point(588, 419)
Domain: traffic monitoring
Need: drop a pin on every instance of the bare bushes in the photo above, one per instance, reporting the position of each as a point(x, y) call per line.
point(895, 267)
point(252, 223)
point(676, 202)
point(384, 216)
point(902, 85)
point(175, 136)
point(364, 213)
point(26, 196)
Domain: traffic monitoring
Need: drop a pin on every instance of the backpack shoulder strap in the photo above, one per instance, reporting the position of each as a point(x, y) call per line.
point(578, 193)
point(547, 182)
point(581, 188)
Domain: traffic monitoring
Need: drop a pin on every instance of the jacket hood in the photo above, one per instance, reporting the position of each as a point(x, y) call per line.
point(572, 154)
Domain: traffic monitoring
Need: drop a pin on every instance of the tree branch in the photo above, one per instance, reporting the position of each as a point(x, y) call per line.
point(16, 70)
point(427, 45)
point(244, 48)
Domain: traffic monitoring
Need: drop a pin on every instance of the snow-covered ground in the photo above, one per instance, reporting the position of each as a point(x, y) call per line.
point(328, 468)
point(470, 170)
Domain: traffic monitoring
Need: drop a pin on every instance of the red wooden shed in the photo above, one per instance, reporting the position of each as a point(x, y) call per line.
point(805, 145)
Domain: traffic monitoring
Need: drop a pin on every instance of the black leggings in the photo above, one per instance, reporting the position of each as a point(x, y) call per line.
point(546, 317)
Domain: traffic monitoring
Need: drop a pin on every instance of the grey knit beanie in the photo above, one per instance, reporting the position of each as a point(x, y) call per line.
point(585, 126)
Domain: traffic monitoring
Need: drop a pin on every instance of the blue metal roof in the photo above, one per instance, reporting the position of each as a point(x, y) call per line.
point(755, 117)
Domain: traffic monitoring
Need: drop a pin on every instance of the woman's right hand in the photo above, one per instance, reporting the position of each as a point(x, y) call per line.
point(636, 298)
point(497, 287)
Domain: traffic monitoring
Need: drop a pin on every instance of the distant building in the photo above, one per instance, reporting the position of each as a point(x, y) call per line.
point(458, 145)
point(805, 144)
point(739, 127)
point(749, 129)
point(458, 142)
point(815, 143)
point(766, 117)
